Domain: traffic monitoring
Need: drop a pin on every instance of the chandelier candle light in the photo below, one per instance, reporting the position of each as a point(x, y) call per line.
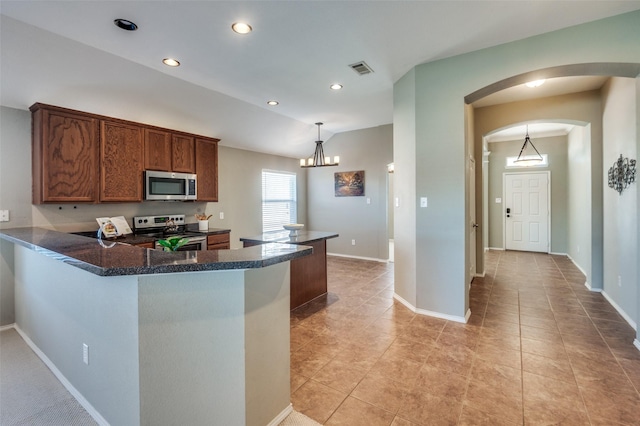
point(318, 159)
point(528, 160)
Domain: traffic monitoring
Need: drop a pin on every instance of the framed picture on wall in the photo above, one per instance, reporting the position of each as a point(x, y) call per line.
point(349, 184)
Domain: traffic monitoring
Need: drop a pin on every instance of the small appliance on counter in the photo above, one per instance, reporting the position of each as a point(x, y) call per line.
point(168, 226)
point(113, 226)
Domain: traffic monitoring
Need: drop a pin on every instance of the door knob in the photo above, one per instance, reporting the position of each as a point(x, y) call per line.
point(475, 225)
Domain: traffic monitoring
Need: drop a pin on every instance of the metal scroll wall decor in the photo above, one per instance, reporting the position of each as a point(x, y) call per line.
point(622, 174)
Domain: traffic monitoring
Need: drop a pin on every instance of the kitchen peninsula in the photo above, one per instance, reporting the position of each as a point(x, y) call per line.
point(309, 274)
point(143, 336)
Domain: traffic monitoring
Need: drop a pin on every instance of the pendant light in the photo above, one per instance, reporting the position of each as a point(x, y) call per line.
point(528, 160)
point(318, 159)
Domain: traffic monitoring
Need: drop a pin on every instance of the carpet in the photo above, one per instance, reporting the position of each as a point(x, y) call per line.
point(298, 419)
point(29, 392)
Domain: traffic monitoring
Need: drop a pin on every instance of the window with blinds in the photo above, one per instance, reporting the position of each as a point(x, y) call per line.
point(279, 204)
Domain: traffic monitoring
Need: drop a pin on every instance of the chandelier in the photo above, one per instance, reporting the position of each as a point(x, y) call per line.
point(318, 159)
point(528, 160)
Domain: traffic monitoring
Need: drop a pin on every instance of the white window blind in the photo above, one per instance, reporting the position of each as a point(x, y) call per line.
point(279, 206)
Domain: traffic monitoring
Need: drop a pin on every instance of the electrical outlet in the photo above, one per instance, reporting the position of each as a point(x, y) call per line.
point(4, 215)
point(368, 200)
point(619, 281)
point(221, 215)
point(353, 242)
point(85, 353)
point(578, 249)
point(423, 202)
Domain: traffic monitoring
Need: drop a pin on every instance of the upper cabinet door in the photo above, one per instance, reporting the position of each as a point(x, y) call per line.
point(183, 158)
point(65, 156)
point(207, 169)
point(157, 150)
point(121, 158)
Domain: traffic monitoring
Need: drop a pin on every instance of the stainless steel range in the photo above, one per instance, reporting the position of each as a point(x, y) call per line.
point(168, 226)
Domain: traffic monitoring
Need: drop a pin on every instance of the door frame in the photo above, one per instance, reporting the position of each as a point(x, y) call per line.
point(504, 197)
point(472, 249)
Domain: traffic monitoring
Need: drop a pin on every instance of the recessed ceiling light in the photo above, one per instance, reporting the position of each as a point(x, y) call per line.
point(273, 103)
point(125, 24)
point(536, 83)
point(241, 28)
point(171, 62)
point(335, 86)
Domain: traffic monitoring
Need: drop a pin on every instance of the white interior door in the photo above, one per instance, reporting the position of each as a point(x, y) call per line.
point(527, 208)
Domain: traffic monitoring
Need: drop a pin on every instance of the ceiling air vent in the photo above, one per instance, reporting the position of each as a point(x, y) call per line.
point(361, 68)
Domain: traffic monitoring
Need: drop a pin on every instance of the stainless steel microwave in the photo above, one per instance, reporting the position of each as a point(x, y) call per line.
point(167, 186)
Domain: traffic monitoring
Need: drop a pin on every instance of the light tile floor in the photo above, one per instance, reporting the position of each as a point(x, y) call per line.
point(539, 349)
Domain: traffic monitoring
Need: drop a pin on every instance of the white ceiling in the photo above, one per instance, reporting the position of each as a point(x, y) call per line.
point(69, 53)
point(551, 87)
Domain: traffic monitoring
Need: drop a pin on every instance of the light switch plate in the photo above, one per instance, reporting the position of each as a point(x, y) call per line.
point(423, 202)
point(498, 200)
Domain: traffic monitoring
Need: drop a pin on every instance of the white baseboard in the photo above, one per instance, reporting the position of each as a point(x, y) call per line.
point(622, 313)
point(432, 313)
point(636, 343)
point(495, 248)
point(8, 327)
point(359, 257)
point(480, 275)
point(595, 290)
point(280, 417)
point(72, 390)
point(553, 253)
point(577, 266)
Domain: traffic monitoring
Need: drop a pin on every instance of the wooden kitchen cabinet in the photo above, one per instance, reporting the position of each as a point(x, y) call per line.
point(183, 154)
point(207, 169)
point(218, 241)
point(78, 157)
point(121, 161)
point(157, 150)
point(149, 245)
point(65, 155)
point(169, 152)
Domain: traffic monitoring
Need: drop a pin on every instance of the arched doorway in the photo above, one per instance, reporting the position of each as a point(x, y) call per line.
point(571, 107)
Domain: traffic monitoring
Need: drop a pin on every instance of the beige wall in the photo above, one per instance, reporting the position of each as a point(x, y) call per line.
point(579, 174)
point(620, 270)
point(363, 219)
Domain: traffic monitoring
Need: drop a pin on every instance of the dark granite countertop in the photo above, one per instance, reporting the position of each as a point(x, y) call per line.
point(111, 258)
point(283, 237)
point(193, 228)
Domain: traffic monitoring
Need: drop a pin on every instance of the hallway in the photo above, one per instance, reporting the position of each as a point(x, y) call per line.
point(539, 348)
